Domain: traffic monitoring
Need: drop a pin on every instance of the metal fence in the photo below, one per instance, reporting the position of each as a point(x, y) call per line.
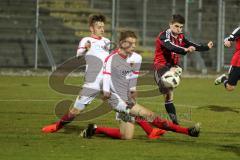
point(64, 22)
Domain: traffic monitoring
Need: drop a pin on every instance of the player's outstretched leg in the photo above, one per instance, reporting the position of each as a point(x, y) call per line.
point(93, 129)
point(169, 126)
point(152, 133)
point(67, 118)
point(220, 79)
point(163, 123)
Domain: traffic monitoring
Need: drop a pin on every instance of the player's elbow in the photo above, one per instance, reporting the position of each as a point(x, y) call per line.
point(80, 52)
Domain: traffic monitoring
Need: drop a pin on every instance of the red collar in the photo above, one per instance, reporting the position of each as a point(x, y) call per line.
point(96, 37)
point(122, 55)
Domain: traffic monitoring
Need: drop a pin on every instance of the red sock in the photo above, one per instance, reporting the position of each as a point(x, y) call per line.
point(144, 124)
point(110, 132)
point(169, 126)
point(67, 118)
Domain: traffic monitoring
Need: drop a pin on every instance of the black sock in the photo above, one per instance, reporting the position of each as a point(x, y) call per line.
point(225, 83)
point(224, 78)
point(67, 118)
point(170, 108)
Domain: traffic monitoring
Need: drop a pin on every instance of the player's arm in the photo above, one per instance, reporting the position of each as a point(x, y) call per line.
point(235, 34)
point(133, 82)
point(83, 47)
point(171, 46)
point(198, 47)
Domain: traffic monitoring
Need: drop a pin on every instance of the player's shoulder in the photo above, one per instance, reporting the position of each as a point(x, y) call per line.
point(105, 39)
point(110, 56)
point(166, 34)
point(84, 39)
point(136, 56)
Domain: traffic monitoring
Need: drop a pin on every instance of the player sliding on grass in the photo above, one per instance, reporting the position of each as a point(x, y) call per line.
point(118, 74)
point(126, 129)
point(170, 44)
point(231, 80)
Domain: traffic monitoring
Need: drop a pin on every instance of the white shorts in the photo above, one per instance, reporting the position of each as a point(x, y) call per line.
point(87, 95)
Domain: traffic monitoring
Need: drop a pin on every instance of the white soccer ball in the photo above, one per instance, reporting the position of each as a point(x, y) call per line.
point(170, 79)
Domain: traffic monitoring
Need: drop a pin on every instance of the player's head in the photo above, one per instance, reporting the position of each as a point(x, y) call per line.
point(96, 24)
point(176, 24)
point(127, 41)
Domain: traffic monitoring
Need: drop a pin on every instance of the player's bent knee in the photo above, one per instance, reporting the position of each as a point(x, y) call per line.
point(79, 105)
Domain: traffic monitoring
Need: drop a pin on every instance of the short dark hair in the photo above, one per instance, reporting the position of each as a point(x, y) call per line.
point(177, 18)
point(126, 34)
point(96, 18)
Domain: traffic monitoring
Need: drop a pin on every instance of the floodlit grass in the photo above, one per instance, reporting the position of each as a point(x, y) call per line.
point(28, 103)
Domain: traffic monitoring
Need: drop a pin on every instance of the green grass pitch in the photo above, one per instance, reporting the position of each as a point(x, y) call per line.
point(27, 104)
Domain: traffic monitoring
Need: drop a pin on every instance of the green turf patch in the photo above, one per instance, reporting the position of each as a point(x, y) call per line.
point(28, 103)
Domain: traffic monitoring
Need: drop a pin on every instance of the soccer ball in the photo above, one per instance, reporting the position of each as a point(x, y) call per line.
point(170, 79)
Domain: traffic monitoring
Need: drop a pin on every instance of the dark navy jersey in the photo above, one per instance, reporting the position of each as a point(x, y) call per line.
point(235, 36)
point(168, 49)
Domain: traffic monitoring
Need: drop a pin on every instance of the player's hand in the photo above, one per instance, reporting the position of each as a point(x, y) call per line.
point(210, 44)
point(106, 95)
point(88, 45)
point(190, 49)
point(227, 43)
point(177, 70)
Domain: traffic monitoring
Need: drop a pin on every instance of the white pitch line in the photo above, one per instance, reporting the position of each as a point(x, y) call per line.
point(52, 100)
point(186, 105)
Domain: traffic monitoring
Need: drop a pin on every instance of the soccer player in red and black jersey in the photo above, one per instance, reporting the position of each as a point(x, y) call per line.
point(234, 72)
point(170, 44)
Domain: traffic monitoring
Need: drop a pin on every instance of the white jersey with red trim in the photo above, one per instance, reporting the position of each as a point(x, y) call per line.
point(99, 47)
point(135, 60)
point(121, 73)
point(94, 57)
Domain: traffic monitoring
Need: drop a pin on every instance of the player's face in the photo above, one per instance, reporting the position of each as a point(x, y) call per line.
point(97, 29)
point(128, 45)
point(176, 28)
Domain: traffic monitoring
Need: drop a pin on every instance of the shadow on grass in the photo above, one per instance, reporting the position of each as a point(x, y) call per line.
point(73, 129)
point(231, 148)
point(198, 143)
point(216, 108)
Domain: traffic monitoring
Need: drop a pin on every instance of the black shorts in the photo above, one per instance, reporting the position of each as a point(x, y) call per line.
point(157, 77)
point(234, 75)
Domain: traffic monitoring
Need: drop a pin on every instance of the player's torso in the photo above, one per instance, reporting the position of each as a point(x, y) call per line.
point(99, 48)
point(121, 74)
point(237, 44)
point(94, 58)
point(163, 56)
point(236, 56)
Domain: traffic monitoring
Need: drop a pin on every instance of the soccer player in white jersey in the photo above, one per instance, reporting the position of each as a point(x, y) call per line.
point(95, 48)
point(118, 74)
